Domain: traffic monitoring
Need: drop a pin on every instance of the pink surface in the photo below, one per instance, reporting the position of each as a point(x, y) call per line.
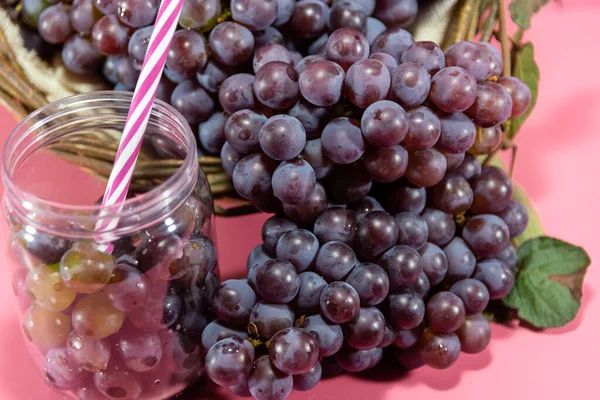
point(558, 149)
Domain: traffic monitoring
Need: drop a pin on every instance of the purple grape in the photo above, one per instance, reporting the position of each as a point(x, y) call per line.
point(405, 310)
point(458, 133)
point(342, 141)
point(435, 263)
point(233, 301)
point(496, 276)
point(309, 19)
point(519, 93)
point(336, 224)
point(229, 158)
point(373, 29)
point(493, 191)
point(307, 381)
point(313, 154)
point(473, 293)
point(453, 89)
point(424, 129)
point(137, 13)
point(397, 12)
point(365, 206)
point(294, 351)
point(353, 360)
point(269, 318)
point(427, 54)
point(242, 130)
point(445, 312)
point(299, 247)
point(276, 85)
point(127, 74)
point(350, 183)
point(293, 181)
point(269, 35)
point(439, 350)
point(231, 43)
point(402, 197)
point(230, 361)
point(267, 382)
point(255, 14)
point(488, 140)
point(307, 212)
point(328, 335)
point(236, 93)
point(492, 106)
point(386, 165)
point(486, 235)
point(473, 57)
point(453, 194)
point(339, 302)
point(347, 14)
point(199, 14)
point(211, 133)
point(83, 16)
point(127, 288)
point(110, 68)
point(410, 84)
point(370, 282)
point(109, 36)
point(475, 334)
point(386, 59)
point(461, 260)
point(384, 124)
point(394, 42)
point(495, 60)
point(321, 83)
point(53, 24)
point(470, 167)
point(410, 358)
point(365, 331)
point(403, 265)
point(285, 9)
point(277, 281)
point(252, 176)
point(306, 61)
point(516, 217)
point(88, 354)
point(335, 261)
point(271, 52)
point(508, 256)
point(80, 56)
point(425, 167)
point(308, 299)
point(273, 229)
point(282, 137)
point(441, 226)
point(376, 233)
point(61, 369)
point(388, 338)
point(141, 351)
point(412, 230)
point(346, 46)
point(366, 82)
point(407, 338)
point(191, 100)
point(217, 331)
point(138, 45)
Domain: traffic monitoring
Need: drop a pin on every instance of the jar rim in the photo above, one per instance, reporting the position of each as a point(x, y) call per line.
point(140, 204)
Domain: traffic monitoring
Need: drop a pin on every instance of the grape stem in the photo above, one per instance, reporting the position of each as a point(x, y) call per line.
point(488, 24)
point(504, 41)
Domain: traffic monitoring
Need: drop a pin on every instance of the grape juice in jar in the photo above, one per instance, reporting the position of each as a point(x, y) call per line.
point(125, 324)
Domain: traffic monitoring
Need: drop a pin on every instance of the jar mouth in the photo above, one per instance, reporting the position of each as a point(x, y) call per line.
point(131, 212)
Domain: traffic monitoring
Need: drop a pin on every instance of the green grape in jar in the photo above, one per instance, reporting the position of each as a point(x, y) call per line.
point(86, 269)
point(46, 288)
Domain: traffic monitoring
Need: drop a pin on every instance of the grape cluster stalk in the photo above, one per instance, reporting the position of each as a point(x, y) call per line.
point(389, 236)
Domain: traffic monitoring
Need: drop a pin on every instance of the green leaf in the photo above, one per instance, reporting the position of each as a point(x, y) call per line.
point(526, 69)
point(521, 11)
point(547, 291)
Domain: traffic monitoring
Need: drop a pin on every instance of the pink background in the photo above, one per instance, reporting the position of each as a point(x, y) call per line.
point(559, 163)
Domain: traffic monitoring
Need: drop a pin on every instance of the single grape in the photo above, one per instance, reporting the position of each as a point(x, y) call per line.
point(307, 381)
point(321, 82)
point(273, 229)
point(61, 370)
point(397, 12)
point(328, 335)
point(309, 19)
point(299, 247)
point(384, 124)
point(350, 183)
point(425, 167)
point(388, 338)
point(487, 141)
point(141, 351)
point(266, 382)
point(83, 15)
point(91, 355)
point(46, 288)
point(461, 260)
point(172, 306)
point(439, 350)
point(256, 15)
point(95, 318)
point(406, 338)
point(469, 168)
point(53, 24)
point(293, 181)
point(46, 328)
point(508, 256)
point(309, 294)
point(138, 45)
point(269, 318)
point(276, 85)
point(230, 361)
point(376, 357)
point(137, 13)
point(475, 334)
point(366, 330)
point(516, 217)
point(410, 84)
point(231, 43)
point(127, 74)
point(366, 82)
point(158, 251)
point(486, 235)
point(217, 331)
point(458, 133)
point(236, 93)
point(187, 54)
point(277, 281)
point(80, 56)
point(452, 195)
point(427, 54)
point(412, 229)
point(339, 302)
point(109, 36)
point(342, 141)
point(229, 158)
point(494, 59)
point(294, 351)
point(497, 277)
point(352, 360)
point(435, 263)
point(424, 129)
point(493, 105)
point(335, 261)
point(347, 14)
point(519, 93)
point(453, 160)
point(402, 197)
point(445, 312)
point(373, 29)
point(473, 57)
point(86, 269)
point(346, 46)
point(271, 52)
point(405, 310)
point(127, 288)
point(493, 191)
point(118, 382)
point(371, 283)
point(453, 89)
point(242, 130)
point(393, 41)
point(282, 137)
point(441, 226)
point(211, 133)
point(403, 265)
point(191, 100)
point(473, 293)
point(233, 302)
point(110, 68)
point(365, 206)
point(386, 165)
point(336, 224)
point(376, 233)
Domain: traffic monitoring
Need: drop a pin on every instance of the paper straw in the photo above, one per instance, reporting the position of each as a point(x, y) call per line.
point(139, 112)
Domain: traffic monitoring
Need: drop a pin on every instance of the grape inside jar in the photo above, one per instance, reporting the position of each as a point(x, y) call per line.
point(100, 324)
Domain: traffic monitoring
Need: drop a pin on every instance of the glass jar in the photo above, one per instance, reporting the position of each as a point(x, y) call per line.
point(126, 324)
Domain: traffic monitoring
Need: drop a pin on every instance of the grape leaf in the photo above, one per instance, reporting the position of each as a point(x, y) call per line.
point(547, 291)
point(521, 11)
point(526, 69)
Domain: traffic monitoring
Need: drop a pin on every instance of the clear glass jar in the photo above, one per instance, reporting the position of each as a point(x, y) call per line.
point(125, 325)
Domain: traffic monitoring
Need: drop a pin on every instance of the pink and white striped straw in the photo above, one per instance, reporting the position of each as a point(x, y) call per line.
point(139, 112)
